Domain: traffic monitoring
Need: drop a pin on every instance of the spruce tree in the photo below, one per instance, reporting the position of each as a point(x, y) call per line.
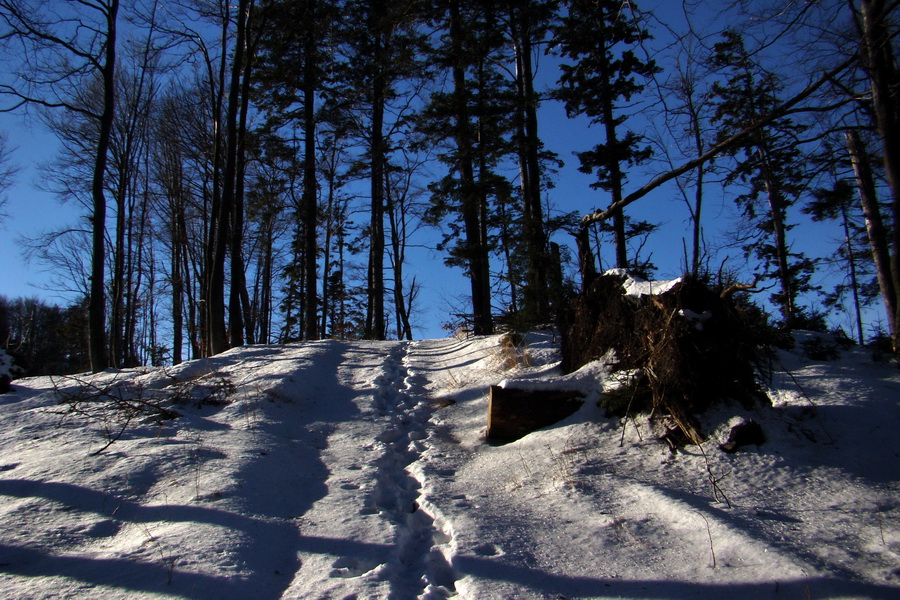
point(600, 41)
point(766, 164)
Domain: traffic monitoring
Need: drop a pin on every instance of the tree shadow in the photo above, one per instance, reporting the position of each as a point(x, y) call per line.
point(552, 585)
point(275, 489)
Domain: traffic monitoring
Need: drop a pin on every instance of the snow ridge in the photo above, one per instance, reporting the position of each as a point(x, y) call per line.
point(418, 568)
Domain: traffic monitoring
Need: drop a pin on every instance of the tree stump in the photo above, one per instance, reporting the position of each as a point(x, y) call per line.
point(513, 414)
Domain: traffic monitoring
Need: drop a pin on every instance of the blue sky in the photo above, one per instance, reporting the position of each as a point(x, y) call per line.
point(32, 211)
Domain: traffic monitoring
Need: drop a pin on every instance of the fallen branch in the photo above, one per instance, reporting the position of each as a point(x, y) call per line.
point(779, 112)
point(113, 407)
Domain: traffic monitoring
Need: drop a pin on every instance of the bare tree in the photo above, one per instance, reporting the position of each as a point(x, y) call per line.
point(7, 173)
point(62, 46)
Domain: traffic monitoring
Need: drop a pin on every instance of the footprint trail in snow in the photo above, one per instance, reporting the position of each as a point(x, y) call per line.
point(418, 567)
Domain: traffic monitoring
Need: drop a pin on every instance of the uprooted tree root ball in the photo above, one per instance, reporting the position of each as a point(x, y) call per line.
point(692, 346)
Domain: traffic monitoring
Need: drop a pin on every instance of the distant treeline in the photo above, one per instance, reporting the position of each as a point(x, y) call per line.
point(44, 339)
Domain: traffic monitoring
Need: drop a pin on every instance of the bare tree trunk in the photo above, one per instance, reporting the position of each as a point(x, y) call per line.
point(97, 306)
point(476, 249)
point(329, 232)
point(878, 238)
point(885, 80)
point(375, 322)
point(536, 290)
point(239, 313)
point(310, 195)
point(776, 214)
point(218, 342)
point(177, 293)
point(213, 305)
point(397, 222)
point(616, 184)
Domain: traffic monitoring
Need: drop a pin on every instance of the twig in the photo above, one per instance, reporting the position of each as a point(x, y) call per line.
point(169, 561)
point(712, 551)
point(713, 480)
point(808, 399)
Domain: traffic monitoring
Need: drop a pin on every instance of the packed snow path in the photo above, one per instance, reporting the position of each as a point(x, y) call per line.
point(382, 540)
point(359, 470)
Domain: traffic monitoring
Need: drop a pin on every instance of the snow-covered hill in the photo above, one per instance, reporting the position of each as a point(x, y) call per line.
point(339, 470)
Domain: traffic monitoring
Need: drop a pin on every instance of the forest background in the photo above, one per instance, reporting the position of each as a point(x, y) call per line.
point(424, 108)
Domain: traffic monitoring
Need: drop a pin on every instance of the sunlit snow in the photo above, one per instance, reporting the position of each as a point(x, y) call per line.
point(355, 470)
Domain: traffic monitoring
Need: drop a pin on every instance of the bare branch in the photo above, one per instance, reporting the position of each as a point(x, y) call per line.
point(787, 107)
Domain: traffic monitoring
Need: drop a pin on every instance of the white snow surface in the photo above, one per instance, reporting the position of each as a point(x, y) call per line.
point(635, 287)
point(356, 470)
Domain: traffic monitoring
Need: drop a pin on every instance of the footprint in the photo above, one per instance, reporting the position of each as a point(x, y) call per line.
point(347, 567)
point(389, 435)
point(487, 550)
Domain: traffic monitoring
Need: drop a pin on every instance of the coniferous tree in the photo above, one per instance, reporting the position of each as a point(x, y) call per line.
point(603, 38)
point(528, 25)
point(836, 202)
point(382, 67)
point(294, 77)
point(472, 122)
point(766, 162)
point(876, 20)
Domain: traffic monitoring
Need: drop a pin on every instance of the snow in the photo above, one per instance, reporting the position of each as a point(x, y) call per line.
point(7, 368)
point(635, 287)
point(354, 470)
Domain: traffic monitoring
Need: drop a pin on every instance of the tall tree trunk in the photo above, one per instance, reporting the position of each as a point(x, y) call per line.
point(375, 322)
point(218, 342)
point(329, 232)
point(233, 192)
point(878, 237)
point(885, 80)
point(239, 314)
point(854, 280)
point(536, 291)
point(697, 211)
point(177, 291)
point(476, 250)
point(779, 233)
point(136, 279)
point(397, 220)
point(616, 183)
point(117, 285)
point(310, 195)
point(506, 241)
point(212, 307)
point(97, 306)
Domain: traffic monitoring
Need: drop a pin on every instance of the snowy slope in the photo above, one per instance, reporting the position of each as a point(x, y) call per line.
point(341, 470)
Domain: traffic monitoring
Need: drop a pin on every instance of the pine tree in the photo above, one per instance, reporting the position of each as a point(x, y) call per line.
point(602, 37)
point(294, 68)
point(528, 25)
point(836, 203)
point(472, 122)
point(766, 163)
point(382, 65)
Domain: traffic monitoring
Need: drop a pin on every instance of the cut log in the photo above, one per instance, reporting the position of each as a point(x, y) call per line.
point(513, 414)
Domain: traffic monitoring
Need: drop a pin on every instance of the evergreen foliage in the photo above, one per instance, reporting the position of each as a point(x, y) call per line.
point(268, 163)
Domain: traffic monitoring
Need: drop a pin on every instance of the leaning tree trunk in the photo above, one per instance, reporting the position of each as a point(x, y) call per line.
point(884, 78)
point(878, 237)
